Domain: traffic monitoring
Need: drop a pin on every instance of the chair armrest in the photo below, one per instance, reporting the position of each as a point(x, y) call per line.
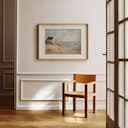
point(73, 81)
point(69, 82)
point(66, 85)
point(94, 82)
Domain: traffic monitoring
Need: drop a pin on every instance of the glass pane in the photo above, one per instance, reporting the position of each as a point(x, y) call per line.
point(108, 47)
point(126, 39)
point(126, 8)
point(108, 18)
point(121, 9)
point(108, 103)
point(126, 114)
point(111, 105)
point(111, 14)
point(121, 78)
point(108, 84)
point(111, 76)
point(121, 41)
point(121, 113)
point(111, 48)
point(126, 81)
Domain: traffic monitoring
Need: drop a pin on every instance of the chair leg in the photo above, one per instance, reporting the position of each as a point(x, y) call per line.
point(86, 102)
point(63, 105)
point(63, 99)
point(74, 99)
point(74, 104)
point(94, 98)
point(94, 104)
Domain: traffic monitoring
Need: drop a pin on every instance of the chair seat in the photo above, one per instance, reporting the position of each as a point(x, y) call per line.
point(78, 93)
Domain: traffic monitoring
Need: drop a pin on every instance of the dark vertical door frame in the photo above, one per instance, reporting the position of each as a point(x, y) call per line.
point(8, 37)
point(109, 122)
point(124, 59)
point(116, 64)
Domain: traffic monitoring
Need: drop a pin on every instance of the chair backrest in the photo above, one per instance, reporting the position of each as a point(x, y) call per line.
point(84, 78)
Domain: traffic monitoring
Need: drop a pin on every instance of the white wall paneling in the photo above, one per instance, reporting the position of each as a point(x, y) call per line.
point(40, 91)
point(45, 77)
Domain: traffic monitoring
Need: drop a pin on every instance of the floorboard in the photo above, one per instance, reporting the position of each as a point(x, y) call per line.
point(50, 119)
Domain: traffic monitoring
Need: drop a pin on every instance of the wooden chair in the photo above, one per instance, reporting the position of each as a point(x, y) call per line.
point(86, 80)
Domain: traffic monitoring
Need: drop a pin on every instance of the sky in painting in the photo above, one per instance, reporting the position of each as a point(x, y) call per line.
point(66, 35)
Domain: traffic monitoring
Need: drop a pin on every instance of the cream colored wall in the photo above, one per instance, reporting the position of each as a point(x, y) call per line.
point(34, 75)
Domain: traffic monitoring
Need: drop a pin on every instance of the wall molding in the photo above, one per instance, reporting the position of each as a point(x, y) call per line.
point(55, 73)
point(4, 81)
point(3, 57)
point(7, 94)
point(23, 99)
point(4, 60)
point(100, 77)
point(26, 103)
point(40, 73)
point(7, 67)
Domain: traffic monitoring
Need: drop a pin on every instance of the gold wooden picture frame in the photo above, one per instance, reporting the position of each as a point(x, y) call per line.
point(62, 41)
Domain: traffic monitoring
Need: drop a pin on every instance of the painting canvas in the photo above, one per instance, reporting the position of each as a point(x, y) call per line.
point(62, 41)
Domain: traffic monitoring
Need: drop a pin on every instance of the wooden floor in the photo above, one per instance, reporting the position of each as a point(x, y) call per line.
point(50, 119)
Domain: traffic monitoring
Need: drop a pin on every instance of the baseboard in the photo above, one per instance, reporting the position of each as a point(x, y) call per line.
point(100, 105)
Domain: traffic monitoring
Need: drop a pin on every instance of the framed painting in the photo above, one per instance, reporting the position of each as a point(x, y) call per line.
point(62, 41)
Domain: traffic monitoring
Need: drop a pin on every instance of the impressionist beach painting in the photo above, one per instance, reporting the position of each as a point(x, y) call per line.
point(62, 41)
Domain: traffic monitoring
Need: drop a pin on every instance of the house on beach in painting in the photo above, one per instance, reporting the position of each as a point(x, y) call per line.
point(50, 40)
